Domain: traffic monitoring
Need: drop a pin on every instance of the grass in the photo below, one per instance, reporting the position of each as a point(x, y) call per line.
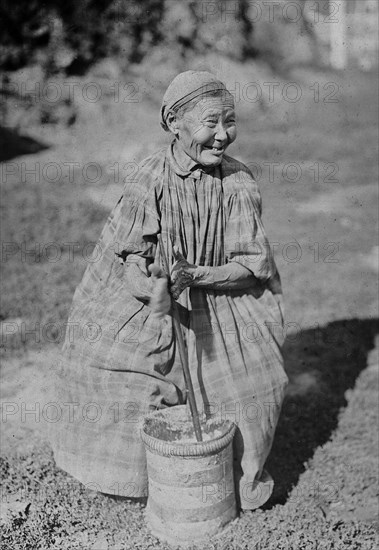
point(324, 454)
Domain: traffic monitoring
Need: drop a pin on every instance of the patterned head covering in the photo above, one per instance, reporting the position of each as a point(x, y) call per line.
point(184, 88)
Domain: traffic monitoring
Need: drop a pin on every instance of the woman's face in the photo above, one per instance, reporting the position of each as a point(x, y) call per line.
point(205, 132)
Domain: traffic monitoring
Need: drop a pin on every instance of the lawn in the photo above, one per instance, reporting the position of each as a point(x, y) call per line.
point(315, 162)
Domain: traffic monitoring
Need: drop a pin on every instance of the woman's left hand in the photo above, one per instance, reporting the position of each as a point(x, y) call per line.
point(182, 274)
point(160, 301)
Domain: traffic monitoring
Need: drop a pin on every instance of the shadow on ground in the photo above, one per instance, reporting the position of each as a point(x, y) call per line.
point(322, 363)
point(12, 144)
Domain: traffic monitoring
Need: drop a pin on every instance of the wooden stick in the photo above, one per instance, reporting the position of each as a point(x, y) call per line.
point(183, 353)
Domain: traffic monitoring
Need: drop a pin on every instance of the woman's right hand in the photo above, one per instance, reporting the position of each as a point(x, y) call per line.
point(182, 274)
point(160, 301)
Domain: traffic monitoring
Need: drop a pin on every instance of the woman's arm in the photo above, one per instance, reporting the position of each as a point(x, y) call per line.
point(231, 276)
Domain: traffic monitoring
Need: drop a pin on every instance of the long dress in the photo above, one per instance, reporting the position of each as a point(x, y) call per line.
point(119, 362)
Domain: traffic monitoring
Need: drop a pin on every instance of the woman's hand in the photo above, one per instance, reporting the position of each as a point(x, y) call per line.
point(160, 301)
point(182, 274)
point(231, 276)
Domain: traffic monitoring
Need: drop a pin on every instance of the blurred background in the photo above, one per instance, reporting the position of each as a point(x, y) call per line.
point(81, 87)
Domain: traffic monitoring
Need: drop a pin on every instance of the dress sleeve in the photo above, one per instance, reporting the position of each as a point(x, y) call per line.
point(245, 238)
point(138, 224)
point(131, 229)
point(134, 223)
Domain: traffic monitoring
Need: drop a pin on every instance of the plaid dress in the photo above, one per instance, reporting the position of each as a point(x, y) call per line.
point(119, 362)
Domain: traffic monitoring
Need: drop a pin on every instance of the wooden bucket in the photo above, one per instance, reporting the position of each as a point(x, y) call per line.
point(191, 485)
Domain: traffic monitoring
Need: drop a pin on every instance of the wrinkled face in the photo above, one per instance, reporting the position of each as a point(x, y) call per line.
point(205, 131)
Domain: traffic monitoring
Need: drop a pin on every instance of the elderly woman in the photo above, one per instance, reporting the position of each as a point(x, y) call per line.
point(122, 360)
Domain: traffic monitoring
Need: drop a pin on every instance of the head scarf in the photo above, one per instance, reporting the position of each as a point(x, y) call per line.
point(184, 88)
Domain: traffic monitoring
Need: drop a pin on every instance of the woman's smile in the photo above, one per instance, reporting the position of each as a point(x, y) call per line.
point(215, 149)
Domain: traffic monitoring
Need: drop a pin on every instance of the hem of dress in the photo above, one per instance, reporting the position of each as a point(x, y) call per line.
point(113, 484)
